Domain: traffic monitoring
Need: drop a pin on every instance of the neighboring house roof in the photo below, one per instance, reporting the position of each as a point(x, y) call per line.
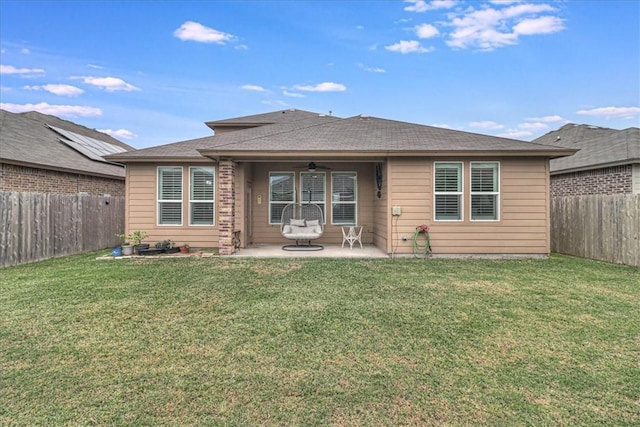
point(599, 147)
point(358, 136)
point(26, 139)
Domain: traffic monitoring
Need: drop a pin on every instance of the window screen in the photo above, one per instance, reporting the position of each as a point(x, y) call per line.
point(170, 195)
point(448, 191)
point(484, 191)
point(281, 193)
point(344, 198)
point(201, 195)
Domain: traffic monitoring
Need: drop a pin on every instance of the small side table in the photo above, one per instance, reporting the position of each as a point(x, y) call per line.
point(352, 234)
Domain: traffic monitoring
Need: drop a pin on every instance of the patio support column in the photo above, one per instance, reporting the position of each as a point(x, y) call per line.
point(226, 208)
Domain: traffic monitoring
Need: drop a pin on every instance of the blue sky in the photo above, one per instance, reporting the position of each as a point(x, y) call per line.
point(152, 73)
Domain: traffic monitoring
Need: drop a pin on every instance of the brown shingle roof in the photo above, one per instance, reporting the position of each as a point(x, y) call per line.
point(25, 139)
point(333, 135)
point(599, 147)
point(282, 116)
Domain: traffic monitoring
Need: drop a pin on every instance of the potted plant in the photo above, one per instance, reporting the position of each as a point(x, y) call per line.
point(127, 248)
point(135, 238)
point(170, 247)
point(184, 248)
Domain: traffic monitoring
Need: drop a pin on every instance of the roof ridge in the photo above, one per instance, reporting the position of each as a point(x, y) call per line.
point(283, 132)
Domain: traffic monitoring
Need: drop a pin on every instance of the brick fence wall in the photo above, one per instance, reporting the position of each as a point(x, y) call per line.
point(611, 180)
point(26, 179)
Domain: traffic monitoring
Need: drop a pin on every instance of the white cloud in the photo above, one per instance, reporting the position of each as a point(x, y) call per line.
point(322, 87)
point(412, 46)
point(546, 119)
point(612, 112)
point(514, 133)
point(533, 126)
point(426, 31)
point(56, 110)
point(197, 32)
point(442, 125)
point(241, 47)
point(371, 69)
point(359, 27)
point(98, 67)
point(542, 25)
point(120, 133)
point(276, 103)
point(110, 84)
point(10, 69)
point(420, 6)
point(486, 124)
point(490, 28)
point(25, 51)
point(292, 94)
point(58, 89)
point(254, 88)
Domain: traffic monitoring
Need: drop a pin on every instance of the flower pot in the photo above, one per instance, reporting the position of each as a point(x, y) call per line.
point(117, 251)
point(127, 250)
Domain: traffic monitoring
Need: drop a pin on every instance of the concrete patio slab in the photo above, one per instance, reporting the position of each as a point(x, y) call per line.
point(329, 251)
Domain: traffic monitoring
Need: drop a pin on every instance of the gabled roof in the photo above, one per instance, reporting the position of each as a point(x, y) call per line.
point(26, 139)
point(599, 147)
point(359, 136)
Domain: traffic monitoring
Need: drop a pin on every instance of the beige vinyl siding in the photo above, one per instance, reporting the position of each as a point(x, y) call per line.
point(263, 232)
point(410, 188)
point(141, 207)
point(523, 226)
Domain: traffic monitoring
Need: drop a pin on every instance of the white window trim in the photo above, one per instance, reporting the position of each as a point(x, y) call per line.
point(158, 201)
point(355, 202)
point(212, 201)
point(458, 193)
point(496, 193)
point(324, 183)
point(269, 189)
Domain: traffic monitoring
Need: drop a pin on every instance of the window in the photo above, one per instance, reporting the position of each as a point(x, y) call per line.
point(201, 195)
point(344, 198)
point(170, 196)
point(281, 193)
point(448, 191)
point(312, 189)
point(484, 191)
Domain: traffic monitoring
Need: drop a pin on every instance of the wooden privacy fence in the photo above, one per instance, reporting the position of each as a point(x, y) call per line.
point(36, 226)
point(601, 227)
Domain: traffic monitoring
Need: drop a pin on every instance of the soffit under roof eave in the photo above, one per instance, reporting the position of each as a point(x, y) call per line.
point(594, 166)
point(159, 159)
point(214, 125)
point(354, 155)
point(65, 170)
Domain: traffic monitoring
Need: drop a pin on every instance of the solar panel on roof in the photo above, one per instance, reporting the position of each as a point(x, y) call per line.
point(92, 148)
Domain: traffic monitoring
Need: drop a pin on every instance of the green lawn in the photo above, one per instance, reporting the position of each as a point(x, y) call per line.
point(319, 342)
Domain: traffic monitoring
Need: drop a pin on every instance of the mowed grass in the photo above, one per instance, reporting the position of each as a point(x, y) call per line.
point(319, 342)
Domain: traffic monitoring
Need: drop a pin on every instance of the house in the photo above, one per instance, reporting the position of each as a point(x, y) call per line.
point(478, 194)
point(44, 154)
point(608, 161)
